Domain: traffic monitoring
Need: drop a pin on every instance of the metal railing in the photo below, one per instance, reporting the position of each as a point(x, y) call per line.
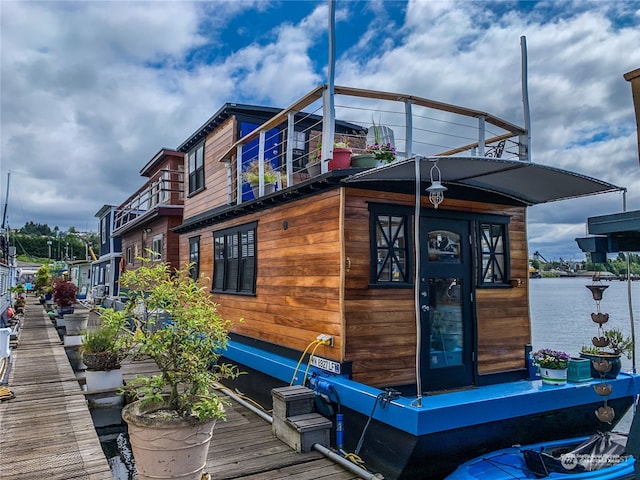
point(166, 187)
point(286, 146)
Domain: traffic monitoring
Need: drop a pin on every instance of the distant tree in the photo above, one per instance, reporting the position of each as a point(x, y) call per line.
point(31, 228)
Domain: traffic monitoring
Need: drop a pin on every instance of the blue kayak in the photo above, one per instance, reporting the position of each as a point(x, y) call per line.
point(601, 456)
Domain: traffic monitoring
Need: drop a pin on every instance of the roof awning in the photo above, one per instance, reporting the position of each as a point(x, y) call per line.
point(524, 182)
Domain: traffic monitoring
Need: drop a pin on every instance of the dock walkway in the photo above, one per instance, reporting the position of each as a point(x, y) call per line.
point(47, 430)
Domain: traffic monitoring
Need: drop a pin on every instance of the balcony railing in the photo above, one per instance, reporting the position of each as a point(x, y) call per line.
point(165, 188)
point(414, 125)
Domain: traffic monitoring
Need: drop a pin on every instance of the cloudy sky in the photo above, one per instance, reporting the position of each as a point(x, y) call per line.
point(92, 90)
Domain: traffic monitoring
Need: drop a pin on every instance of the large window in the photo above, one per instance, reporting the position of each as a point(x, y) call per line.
point(390, 246)
point(196, 169)
point(234, 269)
point(494, 265)
point(194, 257)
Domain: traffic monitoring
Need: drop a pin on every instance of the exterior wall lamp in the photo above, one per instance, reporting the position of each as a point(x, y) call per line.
point(436, 190)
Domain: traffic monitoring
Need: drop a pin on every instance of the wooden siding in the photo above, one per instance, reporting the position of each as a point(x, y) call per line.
point(304, 287)
point(298, 291)
point(380, 323)
point(139, 241)
point(215, 182)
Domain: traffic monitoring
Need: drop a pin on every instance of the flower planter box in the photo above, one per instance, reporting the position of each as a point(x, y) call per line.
point(579, 370)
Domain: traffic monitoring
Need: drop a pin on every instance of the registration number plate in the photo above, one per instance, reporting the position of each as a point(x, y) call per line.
point(327, 365)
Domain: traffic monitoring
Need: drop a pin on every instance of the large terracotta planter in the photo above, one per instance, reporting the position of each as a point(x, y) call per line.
point(167, 447)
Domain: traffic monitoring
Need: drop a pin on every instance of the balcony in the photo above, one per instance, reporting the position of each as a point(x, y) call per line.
point(164, 189)
point(286, 147)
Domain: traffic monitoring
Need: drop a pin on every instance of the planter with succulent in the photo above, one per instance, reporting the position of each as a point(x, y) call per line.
point(102, 351)
point(171, 422)
point(341, 155)
point(616, 345)
point(252, 177)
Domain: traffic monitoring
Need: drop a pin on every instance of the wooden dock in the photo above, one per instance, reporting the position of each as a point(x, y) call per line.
point(47, 430)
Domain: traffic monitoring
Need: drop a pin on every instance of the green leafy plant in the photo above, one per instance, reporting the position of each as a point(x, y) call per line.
point(252, 173)
point(177, 325)
point(384, 152)
point(618, 344)
point(43, 279)
point(105, 347)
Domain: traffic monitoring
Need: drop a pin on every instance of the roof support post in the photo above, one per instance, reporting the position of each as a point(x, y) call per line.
point(263, 135)
point(229, 183)
point(291, 122)
point(328, 108)
point(239, 174)
point(481, 136)
point(408, 121)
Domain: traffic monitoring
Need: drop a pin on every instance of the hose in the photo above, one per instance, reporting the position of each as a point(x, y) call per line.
point(346, 464)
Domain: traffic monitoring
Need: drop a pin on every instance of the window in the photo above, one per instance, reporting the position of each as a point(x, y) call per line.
point(156, 249)
point(493, 253)
point(390, 246)
point(194, 257)
point(129, 256)
point(196, 169)
point(234, 263)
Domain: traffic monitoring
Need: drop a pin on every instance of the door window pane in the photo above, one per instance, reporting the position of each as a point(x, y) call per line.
point(446, 327)
point(444, 247)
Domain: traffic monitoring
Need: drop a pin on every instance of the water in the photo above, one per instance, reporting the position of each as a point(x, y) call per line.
point(561, 313)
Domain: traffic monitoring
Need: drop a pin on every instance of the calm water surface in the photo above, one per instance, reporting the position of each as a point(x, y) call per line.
point(561, 313)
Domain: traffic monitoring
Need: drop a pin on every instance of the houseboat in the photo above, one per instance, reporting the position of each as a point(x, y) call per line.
point(398, 292)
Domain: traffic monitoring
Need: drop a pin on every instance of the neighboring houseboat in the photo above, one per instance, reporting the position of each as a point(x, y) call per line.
point(144, 222)
point(105, 271)
point(80, 275)
point(412, 298)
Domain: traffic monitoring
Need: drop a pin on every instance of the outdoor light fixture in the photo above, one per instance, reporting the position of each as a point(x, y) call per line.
point(436, 190)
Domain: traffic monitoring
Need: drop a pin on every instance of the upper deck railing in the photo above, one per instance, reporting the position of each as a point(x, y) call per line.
point(166, 187)
point(414, 125)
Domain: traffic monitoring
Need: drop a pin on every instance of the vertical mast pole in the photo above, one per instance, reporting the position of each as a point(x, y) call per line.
point(328, 107)
point(6, 201)
point(525, 139)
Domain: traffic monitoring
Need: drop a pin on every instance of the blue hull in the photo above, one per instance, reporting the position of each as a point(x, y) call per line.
point(509, 463)
point(410, 441)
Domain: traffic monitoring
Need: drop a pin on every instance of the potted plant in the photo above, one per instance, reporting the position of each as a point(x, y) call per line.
point(180, 403)
point(314, 167)
point(341, 155)
point(553, 365)
point(102, 350)
point(252, 177)
point(611, 346)
point(64, 294)
point(43, 283)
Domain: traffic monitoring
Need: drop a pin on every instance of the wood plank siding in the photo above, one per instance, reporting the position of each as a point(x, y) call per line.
point(215, 171)
point(298, 291)
point(313, 277)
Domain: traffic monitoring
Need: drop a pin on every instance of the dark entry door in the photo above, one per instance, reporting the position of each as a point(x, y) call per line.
point(445, 304)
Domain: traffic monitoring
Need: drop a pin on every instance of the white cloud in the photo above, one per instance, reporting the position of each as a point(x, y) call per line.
point(92, 90)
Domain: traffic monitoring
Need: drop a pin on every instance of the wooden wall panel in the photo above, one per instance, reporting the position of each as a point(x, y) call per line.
point(299, 274)
point(215, 171)
point(380, 323)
